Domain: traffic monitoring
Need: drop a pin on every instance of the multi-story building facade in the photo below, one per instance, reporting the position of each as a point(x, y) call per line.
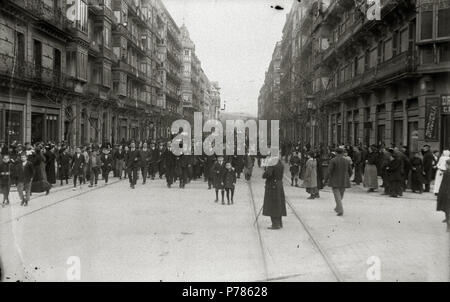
point(191, 77)
point(88, 71)
point(353, 79)
point(196, 91)
point(269, 99)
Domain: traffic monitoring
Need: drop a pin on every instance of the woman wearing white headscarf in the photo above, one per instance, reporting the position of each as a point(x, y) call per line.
point(440, 170)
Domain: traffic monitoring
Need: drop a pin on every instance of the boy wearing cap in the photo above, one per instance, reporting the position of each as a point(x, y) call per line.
point(107, 164)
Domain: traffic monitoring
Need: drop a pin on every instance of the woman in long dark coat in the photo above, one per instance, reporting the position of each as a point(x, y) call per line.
point(416, 173)
point(50, 159)
point(40, 183)
point(370, 179)
point(274, 198)
point(393, 185)
point(443, 200)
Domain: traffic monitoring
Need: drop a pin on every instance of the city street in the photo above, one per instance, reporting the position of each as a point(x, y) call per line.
point(154, 233)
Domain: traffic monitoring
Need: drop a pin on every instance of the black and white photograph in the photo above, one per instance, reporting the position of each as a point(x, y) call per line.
point(249, 141)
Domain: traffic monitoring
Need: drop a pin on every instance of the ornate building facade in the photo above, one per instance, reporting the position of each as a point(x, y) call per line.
point(350, 78)
point(88, 71)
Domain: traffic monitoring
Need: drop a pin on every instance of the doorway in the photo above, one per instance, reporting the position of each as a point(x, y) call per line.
point(37, 127)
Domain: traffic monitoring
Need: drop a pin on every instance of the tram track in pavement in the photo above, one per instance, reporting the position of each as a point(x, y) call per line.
point(58, 201)
point(317, 246)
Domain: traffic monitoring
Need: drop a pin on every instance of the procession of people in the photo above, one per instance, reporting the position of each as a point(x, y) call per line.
point(398, 170)
point(36, 168)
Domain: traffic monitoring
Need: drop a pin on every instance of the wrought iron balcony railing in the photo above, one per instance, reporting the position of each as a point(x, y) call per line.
point(24, 70)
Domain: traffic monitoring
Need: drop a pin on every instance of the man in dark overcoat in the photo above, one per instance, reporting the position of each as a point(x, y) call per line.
point(154, 161)
point(274, 198)
point(145, 162)
point(78, 163)
point(50, 160)
point(169, 164)
point(106, 160)
point(161, 164)
point(339, 171)
point(133, 161)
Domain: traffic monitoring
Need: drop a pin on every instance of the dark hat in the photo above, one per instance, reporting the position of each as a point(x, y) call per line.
point(339, 150)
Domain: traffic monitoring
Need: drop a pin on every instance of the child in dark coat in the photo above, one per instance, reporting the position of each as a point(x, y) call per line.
point(443, 200)
point(229, 180)
point(5, 178)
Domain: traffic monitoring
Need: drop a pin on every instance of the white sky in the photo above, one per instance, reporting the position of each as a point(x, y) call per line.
point(234, 40)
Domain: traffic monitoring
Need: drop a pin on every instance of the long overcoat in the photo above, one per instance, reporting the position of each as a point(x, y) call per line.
point(310, 177)
point(218, 172)
point(443, 200)
point(274, 198)
point(339, 171)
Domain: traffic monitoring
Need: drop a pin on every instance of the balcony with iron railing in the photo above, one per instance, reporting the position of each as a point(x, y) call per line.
point(99, 8)
point(45, 14)
point(137, 44)
point(397, 67)
point(135, 12)
point(16, 70)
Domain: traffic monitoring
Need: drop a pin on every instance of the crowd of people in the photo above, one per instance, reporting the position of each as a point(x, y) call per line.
point(39, 167)
point(398, 169)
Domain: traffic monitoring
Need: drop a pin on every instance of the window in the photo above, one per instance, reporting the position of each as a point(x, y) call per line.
point(395, 40)
point(404, 40)
point(71, 63)
point(360, 68)
point(82, 68)
point(12, 127)
point(426, 22)
point(434, 19)
point(78, 13)
point(380, 51)
point(20, 48)
point(443, 20)
point(106, 76)
point(373, 58)
point(56, 61)
point(427, 55)
point(107, 35)
point(444, 52)
point(388, 49)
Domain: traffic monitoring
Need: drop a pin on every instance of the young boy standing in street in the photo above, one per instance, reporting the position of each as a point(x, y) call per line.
point(229, 180)
point(5, 178)
point(23, 175)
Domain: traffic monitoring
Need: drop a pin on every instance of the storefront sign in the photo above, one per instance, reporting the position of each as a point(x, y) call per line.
point(445, 104)
point(432, 119)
